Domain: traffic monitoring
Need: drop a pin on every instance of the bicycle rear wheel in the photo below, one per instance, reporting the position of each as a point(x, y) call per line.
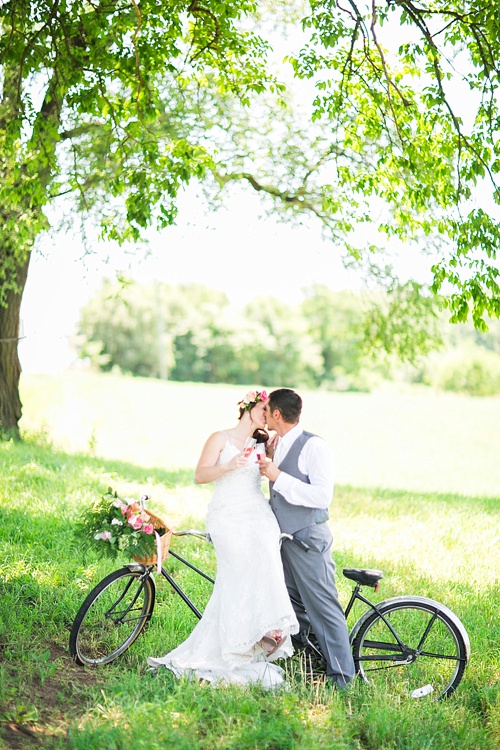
point(409, 644)
point(112, 616)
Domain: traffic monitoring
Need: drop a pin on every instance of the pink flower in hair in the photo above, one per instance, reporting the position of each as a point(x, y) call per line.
point(252, 398)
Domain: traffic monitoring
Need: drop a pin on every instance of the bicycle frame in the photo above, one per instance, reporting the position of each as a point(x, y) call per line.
point(355, 595)
point(176, 586)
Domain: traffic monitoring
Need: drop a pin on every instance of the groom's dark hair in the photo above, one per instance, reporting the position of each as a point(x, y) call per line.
point(287, 402)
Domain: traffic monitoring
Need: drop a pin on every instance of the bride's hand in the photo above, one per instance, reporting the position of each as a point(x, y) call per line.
point(237, 462)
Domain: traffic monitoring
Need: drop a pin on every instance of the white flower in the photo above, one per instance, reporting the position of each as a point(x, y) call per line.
point(116, 522)
point(105, 535)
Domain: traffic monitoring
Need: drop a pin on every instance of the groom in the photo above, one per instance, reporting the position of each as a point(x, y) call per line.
point(301, 489)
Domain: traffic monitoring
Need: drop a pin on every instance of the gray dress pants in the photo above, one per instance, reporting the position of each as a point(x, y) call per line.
point(310, 579)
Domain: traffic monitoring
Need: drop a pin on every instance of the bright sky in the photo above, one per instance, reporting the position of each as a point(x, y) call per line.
point(232, 250)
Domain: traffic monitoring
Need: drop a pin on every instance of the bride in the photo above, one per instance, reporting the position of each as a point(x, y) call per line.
point(249, 619)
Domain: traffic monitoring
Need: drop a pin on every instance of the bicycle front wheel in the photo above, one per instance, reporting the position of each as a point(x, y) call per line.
point(411, 647)
point(112, 616)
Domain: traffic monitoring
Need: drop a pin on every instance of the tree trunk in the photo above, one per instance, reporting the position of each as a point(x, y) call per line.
point(10, 367)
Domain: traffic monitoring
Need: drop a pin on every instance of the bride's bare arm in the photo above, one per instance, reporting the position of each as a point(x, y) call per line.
point(208, 470)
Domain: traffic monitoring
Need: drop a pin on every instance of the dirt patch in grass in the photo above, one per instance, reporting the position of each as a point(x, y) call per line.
point(38, 711)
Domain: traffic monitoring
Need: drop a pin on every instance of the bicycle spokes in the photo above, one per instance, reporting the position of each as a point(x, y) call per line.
point(410, 648)
point(112, 617)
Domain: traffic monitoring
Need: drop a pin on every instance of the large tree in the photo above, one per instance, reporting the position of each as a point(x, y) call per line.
point(93, 105)
point(120, 104)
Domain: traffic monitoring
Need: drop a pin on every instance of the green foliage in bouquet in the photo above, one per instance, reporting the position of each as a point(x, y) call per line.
point(113, 525)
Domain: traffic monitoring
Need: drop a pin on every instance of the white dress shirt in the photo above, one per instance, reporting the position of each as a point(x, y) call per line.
point(316, 461)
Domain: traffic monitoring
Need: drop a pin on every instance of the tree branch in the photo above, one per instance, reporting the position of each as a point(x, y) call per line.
point(293, 199)
point(196, 10)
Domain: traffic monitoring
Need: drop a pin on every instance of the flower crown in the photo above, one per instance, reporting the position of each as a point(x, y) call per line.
point(252, 398)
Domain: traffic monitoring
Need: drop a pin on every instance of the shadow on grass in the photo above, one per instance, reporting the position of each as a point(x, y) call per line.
point(54, 462)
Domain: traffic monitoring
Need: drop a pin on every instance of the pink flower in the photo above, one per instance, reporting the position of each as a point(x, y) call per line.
point(263, 395)
point(134, 507)
point(138, 523)
point(148, 528)
point(250, 397)
point(135, 522)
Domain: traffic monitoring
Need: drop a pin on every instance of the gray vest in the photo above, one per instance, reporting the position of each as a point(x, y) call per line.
point(290, 517)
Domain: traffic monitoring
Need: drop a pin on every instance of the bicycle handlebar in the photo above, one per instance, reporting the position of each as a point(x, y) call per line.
point(193, 532)
point(207, 538)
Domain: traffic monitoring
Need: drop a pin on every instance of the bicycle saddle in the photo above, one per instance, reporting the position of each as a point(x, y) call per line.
point(363, 576)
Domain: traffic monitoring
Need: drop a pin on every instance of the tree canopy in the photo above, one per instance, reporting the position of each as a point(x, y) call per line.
point(116, 106)
point(402, 146)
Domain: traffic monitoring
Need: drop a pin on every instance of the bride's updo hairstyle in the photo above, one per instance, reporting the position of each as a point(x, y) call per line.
point(261, 436)
point(251, 399)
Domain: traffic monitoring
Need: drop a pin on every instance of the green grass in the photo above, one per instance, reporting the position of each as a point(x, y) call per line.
point(443, 545)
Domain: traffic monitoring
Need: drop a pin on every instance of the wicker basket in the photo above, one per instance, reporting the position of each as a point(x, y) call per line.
point(158, 524)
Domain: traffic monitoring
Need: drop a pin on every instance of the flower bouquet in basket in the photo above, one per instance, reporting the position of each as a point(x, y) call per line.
point(113, 525)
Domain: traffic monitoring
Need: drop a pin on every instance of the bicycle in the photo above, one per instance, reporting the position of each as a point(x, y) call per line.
point(415, 645)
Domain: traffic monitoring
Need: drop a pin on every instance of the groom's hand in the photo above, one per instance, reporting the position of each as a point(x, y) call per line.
point(268, 469)
point(271, 444)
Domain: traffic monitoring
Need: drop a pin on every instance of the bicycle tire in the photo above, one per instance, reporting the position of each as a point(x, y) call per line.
point(112, 616)
point(433, 648)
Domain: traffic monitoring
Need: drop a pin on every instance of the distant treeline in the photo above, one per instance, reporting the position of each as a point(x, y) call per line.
point(332, 339)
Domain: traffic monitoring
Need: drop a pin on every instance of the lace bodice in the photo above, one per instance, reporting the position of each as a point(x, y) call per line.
point(240, 483)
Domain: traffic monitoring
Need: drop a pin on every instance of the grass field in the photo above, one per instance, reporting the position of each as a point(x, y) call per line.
point(402, 439)
point(431, 522)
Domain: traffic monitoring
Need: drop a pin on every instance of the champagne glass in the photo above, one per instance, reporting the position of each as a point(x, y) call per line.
point(249, 445)
point(260, 450)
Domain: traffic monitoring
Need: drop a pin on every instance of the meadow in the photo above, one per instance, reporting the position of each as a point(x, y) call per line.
point(416, 496)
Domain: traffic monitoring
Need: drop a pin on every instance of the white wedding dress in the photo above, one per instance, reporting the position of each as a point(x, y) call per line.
point(249, 597)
